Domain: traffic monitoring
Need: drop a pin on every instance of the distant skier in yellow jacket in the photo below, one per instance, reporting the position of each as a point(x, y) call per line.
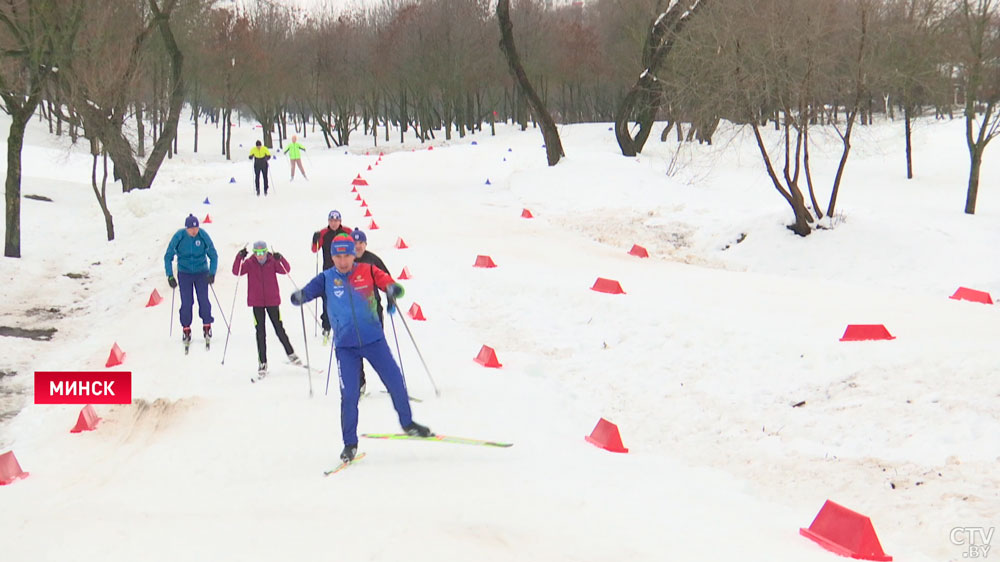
point(260, 156)
point(294, 151)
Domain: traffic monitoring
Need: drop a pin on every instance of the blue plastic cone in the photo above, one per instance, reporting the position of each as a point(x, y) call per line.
point(232, 180)
point(206, 199)
point(488, 181)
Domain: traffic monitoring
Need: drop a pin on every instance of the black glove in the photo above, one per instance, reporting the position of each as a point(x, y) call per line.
point(211, 279)
point(315, 238)
point(172, 282)
point(251, 157)
point(243, 253)
point(296, 298)
point(277, 256)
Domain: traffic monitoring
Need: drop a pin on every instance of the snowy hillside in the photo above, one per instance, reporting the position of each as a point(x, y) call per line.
point(720, 364)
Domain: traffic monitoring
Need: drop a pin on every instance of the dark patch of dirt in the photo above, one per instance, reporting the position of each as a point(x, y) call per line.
point(77, 275)
point(48, 313)
point(42, 334)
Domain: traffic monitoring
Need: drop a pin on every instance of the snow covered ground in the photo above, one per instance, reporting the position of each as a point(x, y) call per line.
point(699, 363)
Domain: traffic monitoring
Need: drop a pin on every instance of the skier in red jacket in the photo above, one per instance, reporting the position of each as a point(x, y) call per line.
point(262, 294)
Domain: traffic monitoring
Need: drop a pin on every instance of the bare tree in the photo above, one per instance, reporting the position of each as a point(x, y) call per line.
point(34, 39)
point(553, 145)
point(978, 34)
point(104, 71)
point(643, 100)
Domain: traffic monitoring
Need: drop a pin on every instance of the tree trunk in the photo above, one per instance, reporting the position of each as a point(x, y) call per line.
point(15, 142)
point(140, 140)
point(102, 193)
point(909, 141)
point(553, 145)
point(228, 126)
point(792, 195)
point(976, 156)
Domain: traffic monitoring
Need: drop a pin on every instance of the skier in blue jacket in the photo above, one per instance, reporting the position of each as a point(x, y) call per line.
point(350, 300)
point(197, 262)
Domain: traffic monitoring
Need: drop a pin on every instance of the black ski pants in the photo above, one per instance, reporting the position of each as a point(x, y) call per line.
point(279, 329)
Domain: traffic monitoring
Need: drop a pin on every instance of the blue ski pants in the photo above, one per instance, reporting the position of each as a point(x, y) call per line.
point(378, 355)
point(189, 284)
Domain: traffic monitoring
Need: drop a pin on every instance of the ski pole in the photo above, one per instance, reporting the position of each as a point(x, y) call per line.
point(232, 310)
point(316, 303)
point(305, 343)
point(398, 354)
point(420, 355)
point(173, 291)
point(221, 311)
point(329, 366)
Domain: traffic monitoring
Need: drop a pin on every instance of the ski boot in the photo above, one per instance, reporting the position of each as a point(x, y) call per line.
point(186, 339)
point(261, 370)
point(294, 359)
point(417, 430)
point(207, 330)
point(348, 454)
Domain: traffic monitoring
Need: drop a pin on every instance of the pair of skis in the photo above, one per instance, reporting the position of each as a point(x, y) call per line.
point(262, 376)
point(404, 436)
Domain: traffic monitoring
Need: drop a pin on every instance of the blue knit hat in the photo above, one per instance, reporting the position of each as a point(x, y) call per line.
point(358, 236)
point(191, 221)
point(342, 245)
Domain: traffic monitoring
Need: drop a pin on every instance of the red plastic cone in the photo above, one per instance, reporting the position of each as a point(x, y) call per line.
point(359, 181)
point(526, 214)
point(861, 332)
point(154, 299)
point(357, 197)
point(610, 286)
point(846, 533)
point(369, 167)
point(208, 220)
point(606, 436)
point(373, 226)
point(405, 274)
point(430, 148)
point(638, 250)
point(116, 357)
point(354, 190)
point(368, 212)
point(488, 358)
point(416, 312)
point(10, 469)
point(87, 421)
point(484, 261)
point(966, 294)
point(400, 245)
point(359, 177)
point(364, 203)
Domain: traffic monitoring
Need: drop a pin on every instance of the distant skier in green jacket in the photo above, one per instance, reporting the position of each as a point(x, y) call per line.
point(293, 150)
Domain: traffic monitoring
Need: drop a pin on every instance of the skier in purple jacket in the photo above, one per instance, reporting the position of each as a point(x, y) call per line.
point(262, 294)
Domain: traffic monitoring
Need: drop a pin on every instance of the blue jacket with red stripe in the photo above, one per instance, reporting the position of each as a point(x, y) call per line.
point(350, 302)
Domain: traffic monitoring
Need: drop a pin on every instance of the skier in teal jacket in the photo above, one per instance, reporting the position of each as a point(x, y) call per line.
point(197, 262)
